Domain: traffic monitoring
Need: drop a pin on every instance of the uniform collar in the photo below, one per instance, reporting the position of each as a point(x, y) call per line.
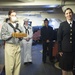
point(70, 22)
point(27, 26)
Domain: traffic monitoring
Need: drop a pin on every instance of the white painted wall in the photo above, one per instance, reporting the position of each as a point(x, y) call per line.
point(57, 16)
point(37, 19)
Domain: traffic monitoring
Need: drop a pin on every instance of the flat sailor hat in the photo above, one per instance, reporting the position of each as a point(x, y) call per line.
point(26, 19)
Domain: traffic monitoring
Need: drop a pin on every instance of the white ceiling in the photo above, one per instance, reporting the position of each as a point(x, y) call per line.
point(33, 0)
point(50, 6)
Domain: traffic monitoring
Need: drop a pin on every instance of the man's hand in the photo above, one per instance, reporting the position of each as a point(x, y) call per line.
point(27, 39)
point(60, 53)
point(47, 41)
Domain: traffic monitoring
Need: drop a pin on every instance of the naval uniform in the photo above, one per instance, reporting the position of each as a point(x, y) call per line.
point(47, 34)
point(66, 44)
point(12, 50)
point(27, 45)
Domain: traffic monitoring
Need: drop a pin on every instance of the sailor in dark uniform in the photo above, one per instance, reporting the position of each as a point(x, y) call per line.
point(47, 40)
point(66, 43)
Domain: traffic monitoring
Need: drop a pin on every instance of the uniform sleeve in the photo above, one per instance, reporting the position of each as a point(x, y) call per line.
point(5, 34)
point(52, 34)
point(59, 38)
point(30, 33)
point(21, 28)
point(42, 34)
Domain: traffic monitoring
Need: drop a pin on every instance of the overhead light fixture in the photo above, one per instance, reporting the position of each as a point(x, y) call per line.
point(26, 0)
point(50, 6)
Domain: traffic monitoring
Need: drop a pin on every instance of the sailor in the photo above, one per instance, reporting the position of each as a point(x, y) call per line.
point(27, 42)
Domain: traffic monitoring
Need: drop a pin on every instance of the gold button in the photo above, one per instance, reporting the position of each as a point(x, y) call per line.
point(70, 25)
point(70, 33)
point(70, 29)
point(70, 37)
point(70, 41)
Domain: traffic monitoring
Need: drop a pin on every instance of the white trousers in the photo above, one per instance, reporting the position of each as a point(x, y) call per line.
point(12, 59)
point(27, 51)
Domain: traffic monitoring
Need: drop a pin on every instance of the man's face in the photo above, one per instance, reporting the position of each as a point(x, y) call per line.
point(46, 23)
point(68, 14)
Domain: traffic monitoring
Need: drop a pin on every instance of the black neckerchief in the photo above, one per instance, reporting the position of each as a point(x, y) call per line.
point(26, 29)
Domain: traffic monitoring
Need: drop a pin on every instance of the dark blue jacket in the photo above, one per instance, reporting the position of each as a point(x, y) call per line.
point(66, 37)
point(46, 33)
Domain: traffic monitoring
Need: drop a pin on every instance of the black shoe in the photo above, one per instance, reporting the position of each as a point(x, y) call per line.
point(25, 63)
point(52, 61)
point(44, 62)
point(30, 62)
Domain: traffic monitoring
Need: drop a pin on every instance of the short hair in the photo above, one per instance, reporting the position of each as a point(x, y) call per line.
point(46, 20)
point(11, 11)
point(68, 9)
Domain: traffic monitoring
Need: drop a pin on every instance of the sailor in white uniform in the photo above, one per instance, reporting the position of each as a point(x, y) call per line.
point(27, 42)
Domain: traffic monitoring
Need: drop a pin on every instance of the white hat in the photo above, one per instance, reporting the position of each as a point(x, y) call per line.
point(26, 19)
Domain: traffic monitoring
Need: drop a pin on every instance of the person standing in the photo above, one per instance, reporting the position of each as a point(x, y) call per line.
point(66, 43)
point(27, 42)
point(12, 44)
point(47, 40)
